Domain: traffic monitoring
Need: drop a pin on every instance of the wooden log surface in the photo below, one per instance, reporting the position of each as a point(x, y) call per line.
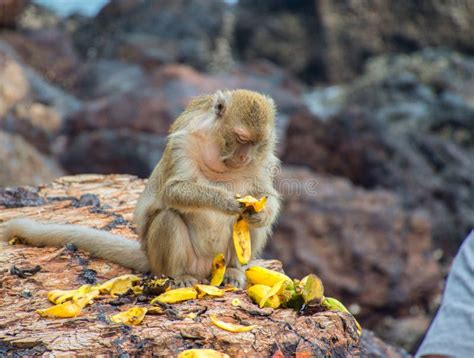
point(107, 202)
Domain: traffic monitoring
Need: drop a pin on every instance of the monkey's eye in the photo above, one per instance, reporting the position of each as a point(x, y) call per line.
point(243, 140)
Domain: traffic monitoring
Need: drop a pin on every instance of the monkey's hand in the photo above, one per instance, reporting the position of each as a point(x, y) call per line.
point(235, 277)
point(261, 219)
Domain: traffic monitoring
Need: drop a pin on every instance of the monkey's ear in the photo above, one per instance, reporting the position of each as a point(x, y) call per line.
point(220, 103)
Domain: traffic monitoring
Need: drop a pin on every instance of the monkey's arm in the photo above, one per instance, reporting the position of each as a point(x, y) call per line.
point(190, 195)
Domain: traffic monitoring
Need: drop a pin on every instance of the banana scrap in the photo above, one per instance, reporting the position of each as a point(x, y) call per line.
point(67, 309)
point(202, 353)
point(176, 295)
point(204, 290)
point(231, 327)
point(242, 242)
point(267, 288)
point(131, 317)
point(218, 270)
point(241, 233)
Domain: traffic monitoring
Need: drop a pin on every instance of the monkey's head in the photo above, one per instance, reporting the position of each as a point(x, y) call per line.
point(245, 121)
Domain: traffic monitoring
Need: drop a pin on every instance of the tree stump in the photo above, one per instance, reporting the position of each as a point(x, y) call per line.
point(107, 202)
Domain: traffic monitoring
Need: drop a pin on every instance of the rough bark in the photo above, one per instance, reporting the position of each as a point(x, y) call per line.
point(107, 202)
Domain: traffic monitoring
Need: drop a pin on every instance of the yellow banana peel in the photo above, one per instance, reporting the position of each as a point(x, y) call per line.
point(204, 290)
point(218, 270)
point(312, 288)
point(260, 275)
point(176, 295)
point(131, 317)
point(242, 242)
point(118, 285)
point(202, 353)
point(231, 327)
point(277, 288)
point(250, 202)
point(60, 296)
point(259, 292)
point(67, 309)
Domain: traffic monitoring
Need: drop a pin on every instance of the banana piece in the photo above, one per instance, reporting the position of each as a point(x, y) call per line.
point(218, 270)
point(260, 275)
point(258, 292)
point(176, 295)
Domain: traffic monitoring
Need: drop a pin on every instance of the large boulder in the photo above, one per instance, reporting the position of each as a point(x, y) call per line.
point(331, 40)
point(154, 32)
point(406, 125)
point(112, 151)
point(13, 83)
point(10, 10)
point(21, 164)
point(49, 51)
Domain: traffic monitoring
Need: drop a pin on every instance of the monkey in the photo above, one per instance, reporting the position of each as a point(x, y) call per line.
point(222, 145)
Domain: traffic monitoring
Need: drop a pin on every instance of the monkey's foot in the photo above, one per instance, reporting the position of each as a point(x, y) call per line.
point(234, 277)
point(185, 281)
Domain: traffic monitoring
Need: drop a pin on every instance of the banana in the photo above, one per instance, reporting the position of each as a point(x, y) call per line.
point(176, 295)
point(218, 270)
point(312, 288)
point(250, 202)
point(258, 292)
point(67, 309)
point(260, 275)
point(242, 243)
point(204, 290)
point(231, 327)
point(131, 317)
point(202, 353)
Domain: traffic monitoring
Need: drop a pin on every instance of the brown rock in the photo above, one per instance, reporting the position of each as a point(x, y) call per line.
point(35, 122)
point(21, 164)
point(366, 248)
point(9, 11)
point(13, 83)
point(113, 151)
point(48, 51)
point(330, 40)
point(152, 33)
point(317, 334)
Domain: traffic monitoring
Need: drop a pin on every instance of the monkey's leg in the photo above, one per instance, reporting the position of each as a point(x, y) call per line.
point(170, 250)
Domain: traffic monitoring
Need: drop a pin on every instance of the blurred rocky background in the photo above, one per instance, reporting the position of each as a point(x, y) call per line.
point(376, 106)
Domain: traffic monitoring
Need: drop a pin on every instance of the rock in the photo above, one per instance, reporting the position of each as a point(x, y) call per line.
point(406, 125)
point(107, 78)
point(284, 32)
point(151, 33)
point(41, 90)
point(328, 40)
point(150, 105)
point(22, 165)
point(356, 31)
point(38, 124)
point(9, 11)
point(49, 51)
point(113, 151)
point(368, 250)
point(314, 334)
point(13, 83)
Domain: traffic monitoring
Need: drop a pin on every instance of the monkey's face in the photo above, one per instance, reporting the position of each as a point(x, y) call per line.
point(246, 123)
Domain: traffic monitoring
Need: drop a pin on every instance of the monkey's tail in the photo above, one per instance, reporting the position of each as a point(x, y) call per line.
point(98, 243)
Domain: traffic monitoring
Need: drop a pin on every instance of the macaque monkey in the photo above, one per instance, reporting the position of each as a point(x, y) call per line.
point(220, 146)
